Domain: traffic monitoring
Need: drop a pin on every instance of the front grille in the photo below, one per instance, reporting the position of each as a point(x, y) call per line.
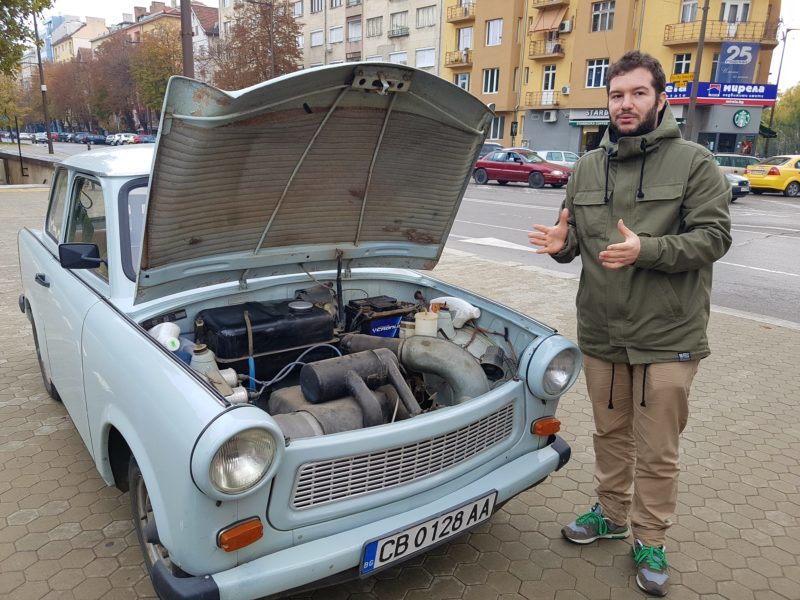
point(323, 482)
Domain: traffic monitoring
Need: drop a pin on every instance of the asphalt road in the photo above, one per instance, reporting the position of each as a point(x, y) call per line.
point(760, 274)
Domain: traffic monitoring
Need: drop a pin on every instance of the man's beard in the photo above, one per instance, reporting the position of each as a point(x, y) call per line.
point(648, 124)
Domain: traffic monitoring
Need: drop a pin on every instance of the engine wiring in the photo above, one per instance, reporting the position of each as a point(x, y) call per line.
point(286, 369)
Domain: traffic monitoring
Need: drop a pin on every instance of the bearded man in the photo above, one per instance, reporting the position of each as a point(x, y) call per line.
point(648, 213)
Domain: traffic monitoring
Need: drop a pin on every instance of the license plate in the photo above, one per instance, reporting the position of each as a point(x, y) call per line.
point(401, 545)
point(758, 172)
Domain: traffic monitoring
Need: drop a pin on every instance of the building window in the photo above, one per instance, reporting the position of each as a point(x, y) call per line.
point(603, 16)
point(549, 78)
point(299, 39)
point(526, 73)
point(426, 58)
point(734, 11)
point(335, 35)
point(491, 81)
point(226, 27)
point(465, 38)
point(398, 23)
point(514, 79)
point(401, 58)
point(297, 9)
point(336, 3)
point(683, 63)
point(426, 16)
point(596, 72)
point(462, 81)
point(354, 30)
point(375, 58)
point(688, 11)
point(374, 26)
point(714, 65)
point(497, 127)
point(226, 3)
point(316, 6)
point(317, 38)
point(494, 32)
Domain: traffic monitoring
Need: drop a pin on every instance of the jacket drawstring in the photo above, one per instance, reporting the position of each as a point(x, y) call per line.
point(605, 194)
point(643, 148)
point(611, 389)
point(644, 384)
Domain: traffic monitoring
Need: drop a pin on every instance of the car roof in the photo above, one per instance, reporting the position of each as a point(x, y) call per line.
point(124, 161)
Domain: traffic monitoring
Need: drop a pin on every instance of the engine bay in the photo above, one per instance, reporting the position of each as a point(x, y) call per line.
point(319, 365)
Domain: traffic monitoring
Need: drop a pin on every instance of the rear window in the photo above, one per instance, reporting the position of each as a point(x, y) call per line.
point(775, 160)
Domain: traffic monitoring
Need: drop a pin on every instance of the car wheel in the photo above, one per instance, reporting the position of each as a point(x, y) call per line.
point(48, 385)
point(144, 521)
point(536, 179)
point(502, 181)
point(792, 190)
point(481, 177)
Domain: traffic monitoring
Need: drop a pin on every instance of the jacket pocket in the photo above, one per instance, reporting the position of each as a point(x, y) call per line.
point(591, 214)
point(658, 212)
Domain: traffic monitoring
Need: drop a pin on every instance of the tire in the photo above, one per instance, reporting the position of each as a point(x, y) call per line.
point(792, 190)
point(481, 177)
point(48, 385)
point(536, 180)
point(142, 515)
point(502, 181)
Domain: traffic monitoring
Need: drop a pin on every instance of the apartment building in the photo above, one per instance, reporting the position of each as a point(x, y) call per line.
point(71, 36)
point(571, 44)
point(482, 44)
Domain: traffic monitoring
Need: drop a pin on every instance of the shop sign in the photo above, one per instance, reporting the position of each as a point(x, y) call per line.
point(741, 118)
point(737, 62)
point(681, 78)
point(750, 94)
point(588, 116)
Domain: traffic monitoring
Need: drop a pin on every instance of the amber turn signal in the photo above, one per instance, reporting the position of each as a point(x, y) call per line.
point(240, 534)
point(546, 426)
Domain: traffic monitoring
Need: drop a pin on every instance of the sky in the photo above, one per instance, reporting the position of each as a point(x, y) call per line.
point(112, 11)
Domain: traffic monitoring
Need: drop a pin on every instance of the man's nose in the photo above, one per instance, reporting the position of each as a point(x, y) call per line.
point(627, 101)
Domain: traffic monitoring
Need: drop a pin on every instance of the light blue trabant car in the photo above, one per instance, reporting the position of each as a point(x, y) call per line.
point(233, 319)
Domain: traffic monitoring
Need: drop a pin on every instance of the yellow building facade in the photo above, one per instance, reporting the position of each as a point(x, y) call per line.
point(571, 43)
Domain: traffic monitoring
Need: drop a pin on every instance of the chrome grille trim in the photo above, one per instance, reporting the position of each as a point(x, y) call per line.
point(323, 482)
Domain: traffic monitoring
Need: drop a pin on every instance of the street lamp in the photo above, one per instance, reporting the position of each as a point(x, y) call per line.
point(44, 87)
point(777, 83)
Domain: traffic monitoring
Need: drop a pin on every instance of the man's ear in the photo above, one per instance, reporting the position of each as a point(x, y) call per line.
point(662, 100)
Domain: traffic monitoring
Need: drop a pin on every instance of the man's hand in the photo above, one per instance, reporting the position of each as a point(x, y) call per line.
point(551, 239)
point(616, 256)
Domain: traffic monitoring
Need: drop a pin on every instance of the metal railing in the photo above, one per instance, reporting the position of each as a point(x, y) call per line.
point(547, 3)
point(458, 58)
point(721, 31)
point(542, 48)
point(397, 32)
point(540, 99)
point(460, 12)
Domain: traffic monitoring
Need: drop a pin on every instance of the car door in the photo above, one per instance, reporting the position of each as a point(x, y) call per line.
point(555, 157)
point(495, 165)
point(72, 294)
point(516, 167)
point(570, 158)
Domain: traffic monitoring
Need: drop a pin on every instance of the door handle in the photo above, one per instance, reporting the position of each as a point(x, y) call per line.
point(41, 279)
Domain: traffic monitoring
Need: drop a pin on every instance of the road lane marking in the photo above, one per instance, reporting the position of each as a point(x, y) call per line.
point(493, 226)
point(511, 204)
point(758, 269)
point(496, 243)
point(767, 227)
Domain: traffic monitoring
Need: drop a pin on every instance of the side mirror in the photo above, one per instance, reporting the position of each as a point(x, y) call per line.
point(80, 256)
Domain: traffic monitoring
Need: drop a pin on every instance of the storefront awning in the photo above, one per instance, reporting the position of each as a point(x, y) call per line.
point(549, 19)
point(766, 132)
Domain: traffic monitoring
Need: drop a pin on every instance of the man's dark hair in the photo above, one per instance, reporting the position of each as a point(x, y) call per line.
point(633, 60)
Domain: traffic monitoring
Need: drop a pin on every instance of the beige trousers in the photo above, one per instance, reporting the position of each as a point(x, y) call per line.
point(638, 421)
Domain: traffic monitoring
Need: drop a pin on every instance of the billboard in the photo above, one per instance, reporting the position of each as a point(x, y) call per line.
point(737, 62)
point(741, 94)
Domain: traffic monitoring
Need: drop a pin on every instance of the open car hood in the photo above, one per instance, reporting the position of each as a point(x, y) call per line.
point(363, 162)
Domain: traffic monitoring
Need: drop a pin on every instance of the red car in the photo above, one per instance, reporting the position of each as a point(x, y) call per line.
point(520, 165)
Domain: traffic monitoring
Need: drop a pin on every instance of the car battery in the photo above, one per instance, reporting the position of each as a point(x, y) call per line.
point(275, 327)
point(378, 315)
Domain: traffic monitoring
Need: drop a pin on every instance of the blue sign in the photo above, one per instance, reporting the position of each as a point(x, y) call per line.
point(742, 94)
point(737, 62)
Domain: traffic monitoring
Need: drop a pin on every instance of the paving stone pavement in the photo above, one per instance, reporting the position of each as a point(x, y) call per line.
point(64, 534)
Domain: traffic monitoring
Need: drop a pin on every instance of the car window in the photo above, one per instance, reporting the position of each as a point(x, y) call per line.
point(136, 199)
point(87, 217)
point(531, 157)
point(497, 157)
point(58, 196)
point(555, 156)
point(775, 160)
point(570, 157)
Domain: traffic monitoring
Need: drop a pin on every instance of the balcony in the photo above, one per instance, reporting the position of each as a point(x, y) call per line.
point(353, 2)
point(397, 32)
point(353, 56)
point(722, 31)
point(459, 58)
point(548, 3)
point(539, 49)
point(542, 99)
point(461, 12)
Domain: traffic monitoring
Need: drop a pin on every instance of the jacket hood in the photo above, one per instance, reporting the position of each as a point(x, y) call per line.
point(627, 146)
point(360, 164)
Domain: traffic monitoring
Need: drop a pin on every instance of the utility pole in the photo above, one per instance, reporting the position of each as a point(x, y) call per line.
point(186, 38)
point(43, 86)
point(777, 83)
point(689, 131)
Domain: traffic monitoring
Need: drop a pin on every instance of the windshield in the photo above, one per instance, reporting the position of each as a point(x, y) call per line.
point(529, 156)
point(774, 160)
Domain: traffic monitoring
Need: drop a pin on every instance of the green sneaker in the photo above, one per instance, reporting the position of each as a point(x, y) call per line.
point(593, 526)
point(652, 569)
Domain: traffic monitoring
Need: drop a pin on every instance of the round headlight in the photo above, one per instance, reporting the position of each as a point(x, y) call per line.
point(242, 461)
point(559, 373)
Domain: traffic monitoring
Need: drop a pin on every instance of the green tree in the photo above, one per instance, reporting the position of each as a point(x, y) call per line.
point(15, 31)
point(158, 59)
point(787, 123)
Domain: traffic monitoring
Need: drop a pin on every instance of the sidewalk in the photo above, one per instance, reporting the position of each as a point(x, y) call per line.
point(63, 534)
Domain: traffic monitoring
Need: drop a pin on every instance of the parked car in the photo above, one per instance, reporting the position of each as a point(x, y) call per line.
point(63, 136)
point(110, 139)
point(740, 186)
point(489, 147)
point(24, 135)
point(559, 157)
point(520, 164)
point(735, 163)
point(143, 138)
point(174, 333)
point(40, 137)
point(80, 137)
point(776, 174)
point(124, 138)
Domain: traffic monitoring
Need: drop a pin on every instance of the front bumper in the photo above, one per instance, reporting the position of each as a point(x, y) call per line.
point(323, 558)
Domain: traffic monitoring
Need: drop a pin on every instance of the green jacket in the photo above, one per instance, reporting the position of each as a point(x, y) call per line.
point(657, 309)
